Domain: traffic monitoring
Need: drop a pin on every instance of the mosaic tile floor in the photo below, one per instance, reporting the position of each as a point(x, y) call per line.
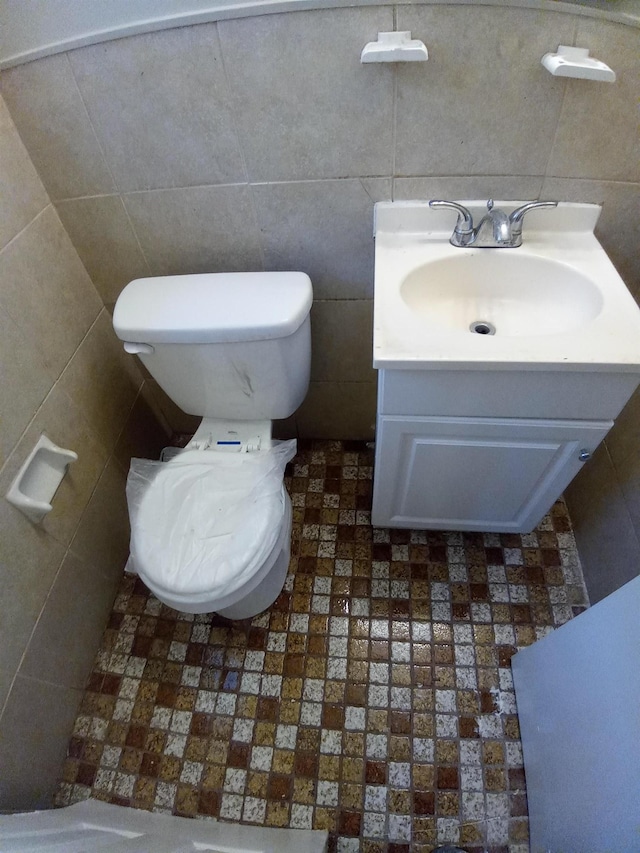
point(373, 700)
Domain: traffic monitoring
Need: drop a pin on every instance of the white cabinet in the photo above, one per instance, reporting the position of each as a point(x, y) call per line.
point(474, 473)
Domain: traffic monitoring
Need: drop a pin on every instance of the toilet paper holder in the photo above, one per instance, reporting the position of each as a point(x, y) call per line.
point(37, 481)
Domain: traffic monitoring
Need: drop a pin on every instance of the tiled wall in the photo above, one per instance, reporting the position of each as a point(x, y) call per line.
point(604, 502)
point(63, 374)
point(263, 143)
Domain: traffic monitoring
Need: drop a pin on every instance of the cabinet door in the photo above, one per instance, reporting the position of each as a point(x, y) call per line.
point(475, 474)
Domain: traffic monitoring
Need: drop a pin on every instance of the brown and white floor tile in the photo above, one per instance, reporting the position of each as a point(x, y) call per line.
point(373, 700)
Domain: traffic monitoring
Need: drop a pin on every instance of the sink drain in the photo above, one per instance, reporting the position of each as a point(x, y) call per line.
point(482, 327)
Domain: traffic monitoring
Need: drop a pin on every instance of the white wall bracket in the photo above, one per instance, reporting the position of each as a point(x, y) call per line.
point(39, 477)
point(576, 62)
point(395, 47)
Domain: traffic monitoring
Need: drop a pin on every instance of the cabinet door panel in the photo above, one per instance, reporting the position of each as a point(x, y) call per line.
point(474, 474)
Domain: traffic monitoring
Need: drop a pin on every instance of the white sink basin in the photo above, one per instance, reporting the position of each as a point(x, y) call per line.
point(503, 292)
point(557, 302)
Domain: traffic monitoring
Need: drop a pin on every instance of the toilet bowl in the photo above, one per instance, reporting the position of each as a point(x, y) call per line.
point(211, 527)
point(211, 530)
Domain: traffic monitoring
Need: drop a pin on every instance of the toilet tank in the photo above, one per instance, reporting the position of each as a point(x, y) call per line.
point(222, 345)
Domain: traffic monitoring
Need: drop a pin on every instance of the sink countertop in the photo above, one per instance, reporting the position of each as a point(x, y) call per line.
point(410, 234)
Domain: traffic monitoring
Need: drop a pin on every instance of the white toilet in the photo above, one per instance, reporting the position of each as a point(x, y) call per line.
point(211, 527)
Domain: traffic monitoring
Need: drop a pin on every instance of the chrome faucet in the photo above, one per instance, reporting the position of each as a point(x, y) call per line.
point(497, 229)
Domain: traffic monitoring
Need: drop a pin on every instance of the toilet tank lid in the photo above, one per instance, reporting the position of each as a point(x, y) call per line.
point(213, 307)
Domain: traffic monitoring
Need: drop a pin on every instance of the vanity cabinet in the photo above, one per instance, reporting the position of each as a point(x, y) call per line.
point(487, 474)
point(499, 372)
point(468, 471)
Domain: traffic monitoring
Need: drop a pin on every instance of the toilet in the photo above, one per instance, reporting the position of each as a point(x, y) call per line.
point(211, 526)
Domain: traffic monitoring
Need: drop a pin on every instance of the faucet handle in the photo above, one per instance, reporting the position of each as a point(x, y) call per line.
point(465, 219)
point(516, 216)
point(464, 225)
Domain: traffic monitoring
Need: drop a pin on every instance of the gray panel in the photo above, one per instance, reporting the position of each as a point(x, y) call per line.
point(578, 691)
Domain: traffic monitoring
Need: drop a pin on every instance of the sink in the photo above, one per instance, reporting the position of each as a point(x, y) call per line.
point(500, 370)
point(557, 302)
point(499, 291)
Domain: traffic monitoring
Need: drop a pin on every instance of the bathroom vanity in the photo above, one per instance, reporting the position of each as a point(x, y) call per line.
point(483, 430)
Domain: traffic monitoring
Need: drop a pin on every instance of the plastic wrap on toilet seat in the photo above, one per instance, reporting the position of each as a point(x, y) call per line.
point(206, 520)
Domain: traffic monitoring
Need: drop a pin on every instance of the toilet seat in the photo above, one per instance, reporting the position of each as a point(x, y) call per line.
point(207, 522)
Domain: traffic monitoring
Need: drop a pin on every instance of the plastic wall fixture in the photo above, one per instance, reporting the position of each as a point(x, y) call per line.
point(395, 47)
point(38, 479)
point(576, 62)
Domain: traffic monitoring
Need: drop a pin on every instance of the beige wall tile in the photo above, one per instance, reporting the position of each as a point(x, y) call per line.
point(607, 543)
point(102, 235)
point(25, 382)
point(505, 188)
point(342, 334)
point(6, 680)
point(103, 381)
point(305, 106)
point(64, 642)
point(36, 726)
point(483, 104)
point(629, 480)
point(323, 228)
point(623, 444)
point(61, 420)
point(47, 108)
point(153, 404)
point(46, 290)
point(196, 229)
point(159, 104)
point(143, 436)
point(338, 410)
point(102, 538)
point(623, 441)
point(285, 428)
point(599, 132)
point(617, 228)
point(29, 560)
point(22, 195)
point(179, 421)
